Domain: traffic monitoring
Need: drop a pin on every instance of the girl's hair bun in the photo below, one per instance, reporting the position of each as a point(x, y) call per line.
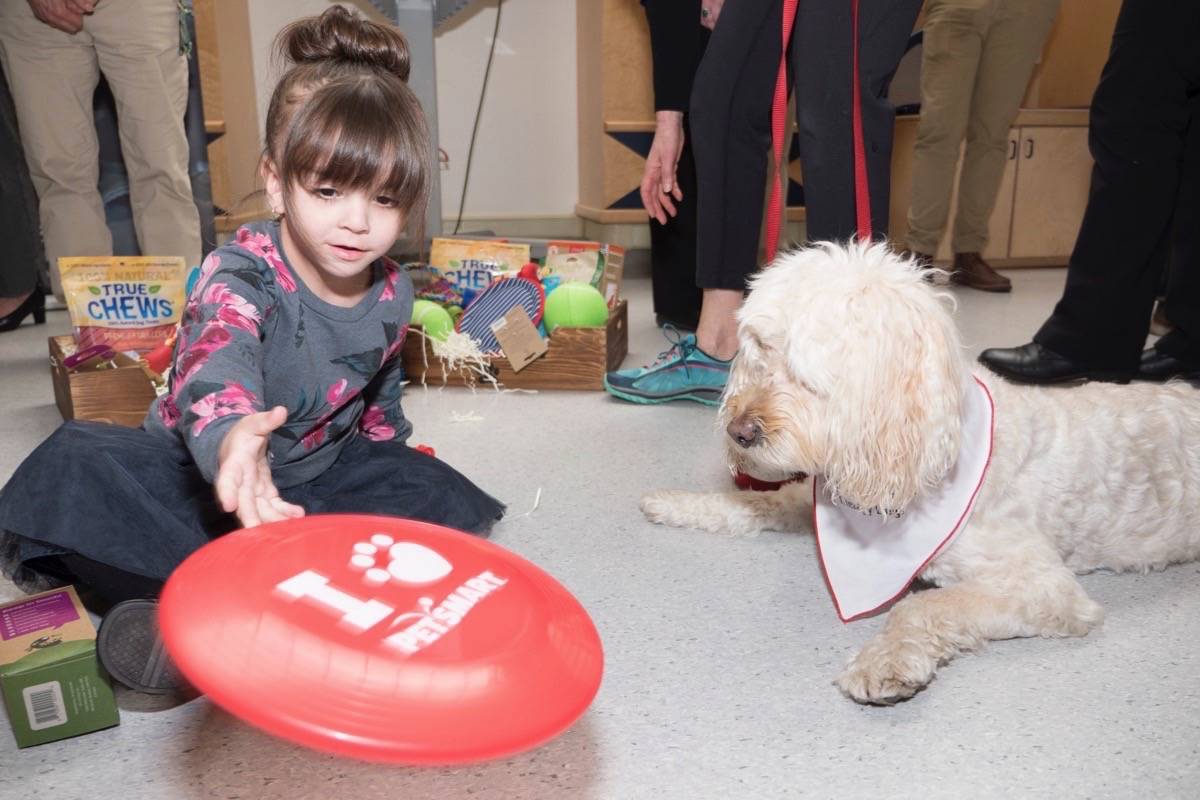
point(339, 36)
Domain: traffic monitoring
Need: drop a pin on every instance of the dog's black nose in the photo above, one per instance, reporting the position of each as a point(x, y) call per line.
point(744, 431)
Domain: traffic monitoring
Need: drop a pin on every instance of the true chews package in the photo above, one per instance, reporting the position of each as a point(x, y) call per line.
point(130, 303)
point(472, 265)
point(53, 685)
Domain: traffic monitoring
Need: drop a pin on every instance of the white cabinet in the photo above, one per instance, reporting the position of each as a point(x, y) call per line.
point(1041, 198)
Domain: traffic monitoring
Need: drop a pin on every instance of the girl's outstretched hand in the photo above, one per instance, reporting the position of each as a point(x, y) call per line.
point(244, 482)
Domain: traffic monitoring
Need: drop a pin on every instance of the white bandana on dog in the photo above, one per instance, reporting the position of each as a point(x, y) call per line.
point(870, 560)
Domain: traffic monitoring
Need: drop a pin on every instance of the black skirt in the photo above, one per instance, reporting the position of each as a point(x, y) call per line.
point(135, 502)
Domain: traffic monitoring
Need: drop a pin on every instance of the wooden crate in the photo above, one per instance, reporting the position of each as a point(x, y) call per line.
point(120, 395)
point(578, 358)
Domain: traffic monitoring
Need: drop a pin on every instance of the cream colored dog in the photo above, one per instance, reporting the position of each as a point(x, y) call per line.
point(850, 368)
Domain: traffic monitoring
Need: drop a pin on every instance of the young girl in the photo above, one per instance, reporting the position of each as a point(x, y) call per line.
point(285, 389)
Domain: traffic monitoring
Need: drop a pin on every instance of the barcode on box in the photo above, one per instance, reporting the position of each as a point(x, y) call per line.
point(44, 705)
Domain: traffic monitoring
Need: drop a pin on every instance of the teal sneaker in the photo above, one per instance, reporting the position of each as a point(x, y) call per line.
point(683, 372)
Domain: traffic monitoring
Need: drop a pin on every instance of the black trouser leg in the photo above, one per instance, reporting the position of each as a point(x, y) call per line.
point(822, 65)
point(673, 248)
point(1183, 264)
point(731, 123)
point(1137, 133)
point(109, 584)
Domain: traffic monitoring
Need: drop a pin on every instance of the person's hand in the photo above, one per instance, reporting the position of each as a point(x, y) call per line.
point(658, 179)
point(65, 15)
point(709, 11)
point(244, 482)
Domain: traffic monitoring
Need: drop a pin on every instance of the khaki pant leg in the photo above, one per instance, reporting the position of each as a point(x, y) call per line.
point(137, 43)
point(52, 76)
point(953, 40)
point(1011, 47)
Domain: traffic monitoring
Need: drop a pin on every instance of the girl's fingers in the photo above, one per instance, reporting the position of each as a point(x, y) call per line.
point(288, 510)
point(265, 487)
point(228, 485)
point(267, 511)
point(248, 506)
point(264, 422)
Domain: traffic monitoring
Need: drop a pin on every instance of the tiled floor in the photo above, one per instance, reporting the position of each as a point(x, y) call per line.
point(720, 651)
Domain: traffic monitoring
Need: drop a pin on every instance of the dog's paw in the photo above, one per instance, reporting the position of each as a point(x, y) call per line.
point(885, 673)
point(1076, 615)
point(671, 507)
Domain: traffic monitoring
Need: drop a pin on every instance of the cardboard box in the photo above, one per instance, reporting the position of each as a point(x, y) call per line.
point(52, 682)
point(120, 395)
point(601, 265)
point(577, 358)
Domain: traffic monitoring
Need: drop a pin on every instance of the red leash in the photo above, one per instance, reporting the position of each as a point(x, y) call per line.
point(862, 192)
point(778, 120)
point(862, 198)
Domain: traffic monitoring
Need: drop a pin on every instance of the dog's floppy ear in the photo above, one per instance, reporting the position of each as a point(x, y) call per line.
point(897, 388)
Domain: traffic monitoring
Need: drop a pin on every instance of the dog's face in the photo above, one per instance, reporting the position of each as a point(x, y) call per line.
point(848, 367)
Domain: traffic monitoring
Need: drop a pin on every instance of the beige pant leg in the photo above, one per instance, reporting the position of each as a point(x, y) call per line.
point(953, 41)
point(137, 44)
point(52, 76)
point(1014, 40)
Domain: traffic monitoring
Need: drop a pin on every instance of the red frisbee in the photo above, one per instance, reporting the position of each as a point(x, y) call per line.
point(382, 639)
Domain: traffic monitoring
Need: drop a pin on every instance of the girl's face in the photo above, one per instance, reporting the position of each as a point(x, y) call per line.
point(332, 236)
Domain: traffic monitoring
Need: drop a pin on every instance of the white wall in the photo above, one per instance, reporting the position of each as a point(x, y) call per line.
point(526, 152)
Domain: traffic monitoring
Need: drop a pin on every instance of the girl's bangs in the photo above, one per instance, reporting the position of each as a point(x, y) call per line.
point(344, 140)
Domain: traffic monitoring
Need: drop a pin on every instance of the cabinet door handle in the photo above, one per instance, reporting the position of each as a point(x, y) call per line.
point(1012, 150)
point(1029, 148)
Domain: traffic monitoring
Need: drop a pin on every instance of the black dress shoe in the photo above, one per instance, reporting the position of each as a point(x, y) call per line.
point(1160, 367)
point(1033, 363)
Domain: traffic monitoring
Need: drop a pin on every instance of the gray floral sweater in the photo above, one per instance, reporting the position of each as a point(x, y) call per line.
point(253, 336)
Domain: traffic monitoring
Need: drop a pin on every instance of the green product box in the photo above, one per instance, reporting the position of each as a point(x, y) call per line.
point(53, 684)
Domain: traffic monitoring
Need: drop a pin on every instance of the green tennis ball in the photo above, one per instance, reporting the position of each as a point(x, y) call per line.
point(575, 305)
point(434, 319)
point(455, 312)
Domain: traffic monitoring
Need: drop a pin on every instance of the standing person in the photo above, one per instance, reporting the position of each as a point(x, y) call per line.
point(730, 112)
point(20, 271)
point(53, 52)
point(976, 61)
point(285, 390)
point(678, 37)
point(1143, 136)
point(1181, 279)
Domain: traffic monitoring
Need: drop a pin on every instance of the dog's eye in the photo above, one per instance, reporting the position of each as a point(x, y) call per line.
point(751, 340)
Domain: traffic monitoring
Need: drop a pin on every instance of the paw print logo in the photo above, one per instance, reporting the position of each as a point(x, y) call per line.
point(403, 562)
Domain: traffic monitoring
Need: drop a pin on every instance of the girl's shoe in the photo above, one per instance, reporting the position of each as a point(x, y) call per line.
point(132, 652)
point(34, 304)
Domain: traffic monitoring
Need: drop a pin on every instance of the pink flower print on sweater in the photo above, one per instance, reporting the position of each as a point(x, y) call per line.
point(336, 396)
point(337, 392)
point(233, 399)
point(211, 339)
point(168, 412)
point(392, 277)
point(396, 344)
point(374, 425)
point(234, 309)
point(314, 437)
point(260, 244)
point(207, 268)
